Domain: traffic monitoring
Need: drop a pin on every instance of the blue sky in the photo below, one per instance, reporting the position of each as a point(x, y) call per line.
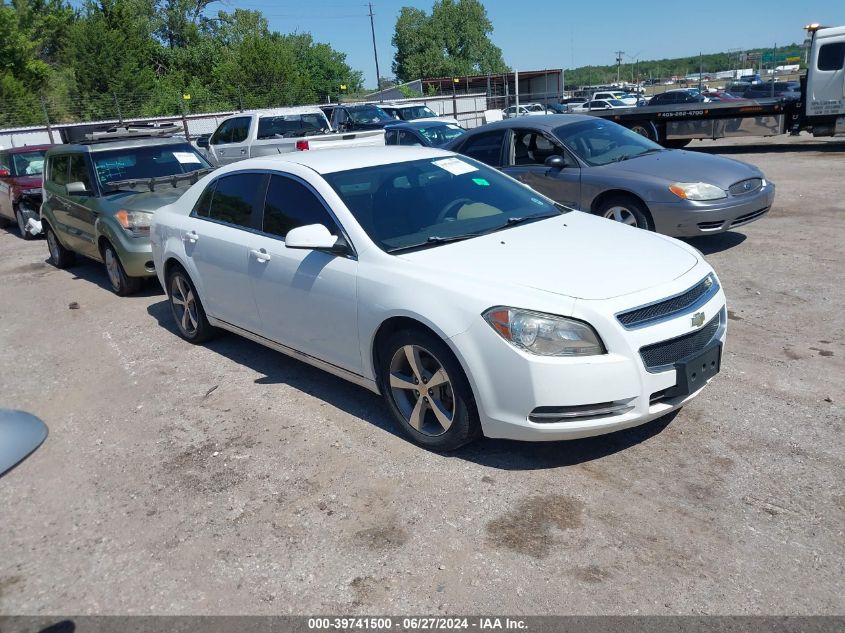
point(538, 34)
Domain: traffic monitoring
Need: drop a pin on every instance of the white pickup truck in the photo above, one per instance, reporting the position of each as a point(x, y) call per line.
point(248, 135)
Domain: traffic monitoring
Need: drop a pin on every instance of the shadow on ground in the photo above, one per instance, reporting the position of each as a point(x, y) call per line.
point(95, 273)
point(716, 243)
point(277, 368)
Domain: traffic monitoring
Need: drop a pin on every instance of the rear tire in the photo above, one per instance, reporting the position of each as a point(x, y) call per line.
point(26, 235)
point(60, 257)
point(186, 307)
point(4, 222)
point(645, 128)
point(627, 210)
point(427, 391)
point(122, 284)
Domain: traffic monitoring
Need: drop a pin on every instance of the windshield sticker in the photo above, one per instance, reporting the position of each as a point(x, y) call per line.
point(454, 166)
point(538, 202)
point(481, 182)
point(186, 157)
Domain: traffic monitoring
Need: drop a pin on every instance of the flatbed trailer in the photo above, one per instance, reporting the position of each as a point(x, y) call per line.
point(820, 110)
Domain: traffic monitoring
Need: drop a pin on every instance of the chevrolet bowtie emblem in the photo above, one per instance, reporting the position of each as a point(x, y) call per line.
point(697, 319)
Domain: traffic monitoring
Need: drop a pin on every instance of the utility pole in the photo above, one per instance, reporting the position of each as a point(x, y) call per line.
point(47, 118)
point(375, 52)
point(619, 55)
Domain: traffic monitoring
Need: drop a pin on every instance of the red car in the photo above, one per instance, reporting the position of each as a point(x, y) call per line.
point(20, 185)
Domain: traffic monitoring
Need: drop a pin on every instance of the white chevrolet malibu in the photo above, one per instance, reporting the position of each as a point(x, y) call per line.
point(472, 303)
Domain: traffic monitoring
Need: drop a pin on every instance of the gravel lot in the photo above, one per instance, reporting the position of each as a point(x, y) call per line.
point(229, 479)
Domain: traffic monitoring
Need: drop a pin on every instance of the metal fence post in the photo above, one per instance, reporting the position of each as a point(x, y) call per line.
point(47, 119)
point(117, 107)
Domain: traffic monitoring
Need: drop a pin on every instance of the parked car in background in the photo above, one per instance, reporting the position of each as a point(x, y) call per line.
point(100, 197)
point(415, 112)
point(737, 89)
point(751, 79)
point(594, 165)
point(721, 95)
point(355, 117)
point(524, 109)
point(599, 104)
point(674, 97)
point(20, 185)
point(432, 133)
point(624, 97)
point(249, 135)
point(557, 108)
point(442, 284)
point(780, 90)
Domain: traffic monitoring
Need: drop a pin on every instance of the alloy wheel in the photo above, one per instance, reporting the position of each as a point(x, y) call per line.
point(184, 305)
point(621, 214)
point(112, 267)
point(422, 390)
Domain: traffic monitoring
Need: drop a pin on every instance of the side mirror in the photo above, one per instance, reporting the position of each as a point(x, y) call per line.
point(555, 162)
point(202, 141)
point(20, 434)
point(76, 188)
point(4, 172)
point(315, 237)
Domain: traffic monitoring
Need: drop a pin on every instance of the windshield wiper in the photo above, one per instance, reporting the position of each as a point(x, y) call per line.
point(522, 219)
point(653, 150)
point(434, 240)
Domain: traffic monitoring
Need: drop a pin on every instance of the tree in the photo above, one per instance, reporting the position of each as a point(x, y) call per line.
point(453, 40)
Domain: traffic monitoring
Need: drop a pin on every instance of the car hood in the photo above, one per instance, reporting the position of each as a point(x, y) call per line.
point(576, 255)
point(148, 201)
point(27, 182)
point(683, 166)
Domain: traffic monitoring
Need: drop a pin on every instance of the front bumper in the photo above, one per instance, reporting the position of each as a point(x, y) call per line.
point(512, 386)
point(135, 253)
point(689, 219)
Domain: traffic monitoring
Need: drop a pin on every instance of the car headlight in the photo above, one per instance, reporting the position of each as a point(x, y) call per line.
point(697, 191)
point(136, 223)
point(544, 334)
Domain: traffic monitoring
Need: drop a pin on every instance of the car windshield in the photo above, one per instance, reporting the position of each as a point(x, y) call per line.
point(600, 142)
point(369, 114)
point(291, 125)
point(416, 112)
point(535, 107)
point(28, 163)
point(148, 161)
point(418, 204)
point(439, 135)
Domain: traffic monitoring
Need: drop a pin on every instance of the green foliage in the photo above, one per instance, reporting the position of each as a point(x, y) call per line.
point(408, 92)
point(453, 40)
point(135, 58)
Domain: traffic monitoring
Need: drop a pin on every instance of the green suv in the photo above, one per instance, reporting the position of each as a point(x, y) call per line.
point(100, 196)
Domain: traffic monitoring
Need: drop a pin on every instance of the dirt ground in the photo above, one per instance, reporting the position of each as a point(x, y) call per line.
point(229, 479)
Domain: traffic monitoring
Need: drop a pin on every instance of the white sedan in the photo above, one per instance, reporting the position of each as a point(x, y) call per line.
point(472, 303)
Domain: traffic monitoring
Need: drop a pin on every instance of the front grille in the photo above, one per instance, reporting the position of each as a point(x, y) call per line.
point(674, 350)
point(710, 226)
point(749, 217)
point(744, 187)
point(668, 307)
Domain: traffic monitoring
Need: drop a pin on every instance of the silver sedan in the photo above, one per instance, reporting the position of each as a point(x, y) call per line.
point(600, 167)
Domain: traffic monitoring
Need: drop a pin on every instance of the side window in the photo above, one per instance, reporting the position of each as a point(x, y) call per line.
point(832, 56)
point(79, 171)
point(203, 205)
point(408, 138)
point(391, 137)
point(4, 161)
point(234, 198)
point(290, 204)
point(486, 147)
point(231, 131)
point(532, 148)
point(58, 169)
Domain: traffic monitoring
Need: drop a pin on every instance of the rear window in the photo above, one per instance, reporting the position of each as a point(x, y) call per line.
point(832, 56)
point(291, 126)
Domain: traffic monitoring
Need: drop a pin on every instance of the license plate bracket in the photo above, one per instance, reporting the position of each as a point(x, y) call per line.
point(693, 373)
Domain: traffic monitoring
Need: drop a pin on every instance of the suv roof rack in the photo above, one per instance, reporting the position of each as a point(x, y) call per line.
point(89, 134)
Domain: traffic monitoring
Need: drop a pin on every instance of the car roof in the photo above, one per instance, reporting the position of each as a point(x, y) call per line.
point(541, 121)
point(127, 143)
point(333, 160)
point(26, 148)
point(416, 125)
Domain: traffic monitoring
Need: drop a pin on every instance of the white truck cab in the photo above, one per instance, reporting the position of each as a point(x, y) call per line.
point(825, 92)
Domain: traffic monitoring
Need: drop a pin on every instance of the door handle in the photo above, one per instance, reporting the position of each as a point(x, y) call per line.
point(190, 237)
point(261, 255)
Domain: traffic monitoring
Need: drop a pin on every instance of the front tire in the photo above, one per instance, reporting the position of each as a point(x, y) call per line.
point(626, 210)
point(26, 235)
point(186, 307)
point(427, 391)
point(60, 257)
point(122, 284)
